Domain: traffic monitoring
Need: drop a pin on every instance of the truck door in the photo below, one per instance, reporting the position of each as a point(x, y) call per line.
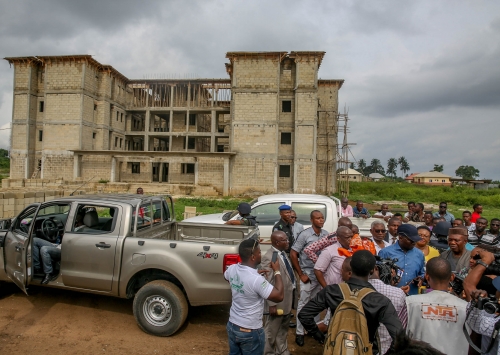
point(17, 247)
point(88, 251)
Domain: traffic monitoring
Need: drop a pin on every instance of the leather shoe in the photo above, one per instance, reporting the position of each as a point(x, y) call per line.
point(299, 339)
point(292, 325)
point(48, 278)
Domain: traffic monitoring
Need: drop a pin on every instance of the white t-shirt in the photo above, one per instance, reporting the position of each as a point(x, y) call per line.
point(249, 290)
point(437, 318)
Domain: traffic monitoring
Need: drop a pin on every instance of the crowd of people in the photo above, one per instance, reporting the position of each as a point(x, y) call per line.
point(426, 283)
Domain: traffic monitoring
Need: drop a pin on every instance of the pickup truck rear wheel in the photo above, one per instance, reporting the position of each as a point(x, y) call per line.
point(160, 308)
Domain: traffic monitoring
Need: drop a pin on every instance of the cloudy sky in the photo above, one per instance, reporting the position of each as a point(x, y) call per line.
point(422, 78)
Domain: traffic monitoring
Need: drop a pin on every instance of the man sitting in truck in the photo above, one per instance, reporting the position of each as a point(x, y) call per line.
point(244, 218)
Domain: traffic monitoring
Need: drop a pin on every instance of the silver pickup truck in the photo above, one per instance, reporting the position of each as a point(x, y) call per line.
point(127, 246)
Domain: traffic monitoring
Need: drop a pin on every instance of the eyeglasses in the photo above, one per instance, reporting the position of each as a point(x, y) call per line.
point(293, 217)
point(379, 230)
point(495, 224)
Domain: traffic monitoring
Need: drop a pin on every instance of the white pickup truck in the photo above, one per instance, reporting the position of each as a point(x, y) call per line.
point(265, 210)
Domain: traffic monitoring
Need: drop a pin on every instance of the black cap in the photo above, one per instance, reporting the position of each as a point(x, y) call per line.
point(244, 208)
point(409, 231)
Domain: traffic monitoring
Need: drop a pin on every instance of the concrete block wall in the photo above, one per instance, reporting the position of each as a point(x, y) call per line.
point(65, 75)
point(256, 73)
point(58, 165)
point(13, 203)
point(211, 172)
point(97, 166)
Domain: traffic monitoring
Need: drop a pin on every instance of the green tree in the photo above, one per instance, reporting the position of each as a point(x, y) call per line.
point(403, 165)
point(467, 172)
point(4, 153)
point(438, 168)
point(392, 164)
point(375, 167)
point(351, 166)
point(362, 166)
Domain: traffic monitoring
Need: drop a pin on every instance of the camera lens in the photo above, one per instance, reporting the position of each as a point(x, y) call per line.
point(490, 307)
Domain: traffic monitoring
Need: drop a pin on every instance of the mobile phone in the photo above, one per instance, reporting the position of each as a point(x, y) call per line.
point(275, 256)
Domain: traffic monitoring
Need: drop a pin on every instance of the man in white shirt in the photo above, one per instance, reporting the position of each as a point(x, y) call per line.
point(249, 290)
point(383, 213)
point(378, 235)
point(438, 316)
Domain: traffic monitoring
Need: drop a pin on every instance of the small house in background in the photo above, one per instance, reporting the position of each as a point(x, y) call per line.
point(432, 178)
point(376, 176)
point(410, 177)
point(351, 175)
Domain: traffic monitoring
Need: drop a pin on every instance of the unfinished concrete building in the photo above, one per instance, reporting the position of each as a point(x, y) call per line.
point(269, 127)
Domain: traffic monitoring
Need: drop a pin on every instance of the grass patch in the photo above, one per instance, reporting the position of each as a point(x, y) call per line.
point(206, 205)
point(458, 198)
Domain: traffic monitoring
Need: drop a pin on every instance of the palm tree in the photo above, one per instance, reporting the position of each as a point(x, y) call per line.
point(376, 166)
point(403, 165)
point(392, 164)
point(362, 166)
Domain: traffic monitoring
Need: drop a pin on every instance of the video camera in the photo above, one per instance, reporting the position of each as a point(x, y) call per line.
point(457, 285)
point(489, 304)
point(386, 268)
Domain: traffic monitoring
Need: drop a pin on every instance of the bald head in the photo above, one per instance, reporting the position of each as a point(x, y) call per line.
point(439, 270)
point(344, 236)
point(279, 240)
point(345, 222)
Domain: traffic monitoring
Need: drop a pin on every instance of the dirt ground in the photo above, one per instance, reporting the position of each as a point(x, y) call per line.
point(60, 322)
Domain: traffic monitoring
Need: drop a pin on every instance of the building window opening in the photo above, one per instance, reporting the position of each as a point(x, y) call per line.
point(93, 135)
point(286, 138)
point(40, 135)
point(116, 141)
point(191, 143)
point(95, 107)
point(41, 107)
point(117, 115)
point(121, 117)
point(286, 106)
point(136, 168)
point(220, 148)
point(192, 119)
point(121, 141)
point(284, 171)
point(187, 168)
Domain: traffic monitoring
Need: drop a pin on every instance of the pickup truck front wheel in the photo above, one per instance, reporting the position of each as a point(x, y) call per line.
point(160, 308)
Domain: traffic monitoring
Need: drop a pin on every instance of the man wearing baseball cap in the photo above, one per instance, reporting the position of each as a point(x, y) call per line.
point(410, 259)
point(244, 218)
point(284, 225)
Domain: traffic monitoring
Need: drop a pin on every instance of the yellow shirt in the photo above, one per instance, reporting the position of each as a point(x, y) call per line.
point(433, 252)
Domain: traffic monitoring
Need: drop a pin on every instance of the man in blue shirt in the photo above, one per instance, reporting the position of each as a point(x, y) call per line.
point(360, 211)
point(410, 259)
point(443, 213)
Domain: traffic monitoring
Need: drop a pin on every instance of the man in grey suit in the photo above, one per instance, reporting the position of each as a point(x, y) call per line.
point(276, 323)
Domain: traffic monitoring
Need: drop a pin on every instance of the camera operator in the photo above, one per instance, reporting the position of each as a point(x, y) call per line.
point(398, 299)
point(482, 321)
point(437, 317)
point(476, 276)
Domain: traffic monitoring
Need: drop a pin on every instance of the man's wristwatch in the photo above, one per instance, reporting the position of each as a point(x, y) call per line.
point(480, 262)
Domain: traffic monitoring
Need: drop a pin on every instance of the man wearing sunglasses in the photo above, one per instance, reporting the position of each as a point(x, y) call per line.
point(296, 226)
point(249, 289)
point(285, 225)
point(410, 259)
point(444, 213)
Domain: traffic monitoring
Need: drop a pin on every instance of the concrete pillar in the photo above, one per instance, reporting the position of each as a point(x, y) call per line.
point(113, 170)
point(213, 129)
point(160, 172)
point(146, 131)
point(225, 191)
point(196, 173)
point(76, 166)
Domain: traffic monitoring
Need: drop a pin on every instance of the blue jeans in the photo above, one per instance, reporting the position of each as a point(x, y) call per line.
point(245, 343)
point(47, 251)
